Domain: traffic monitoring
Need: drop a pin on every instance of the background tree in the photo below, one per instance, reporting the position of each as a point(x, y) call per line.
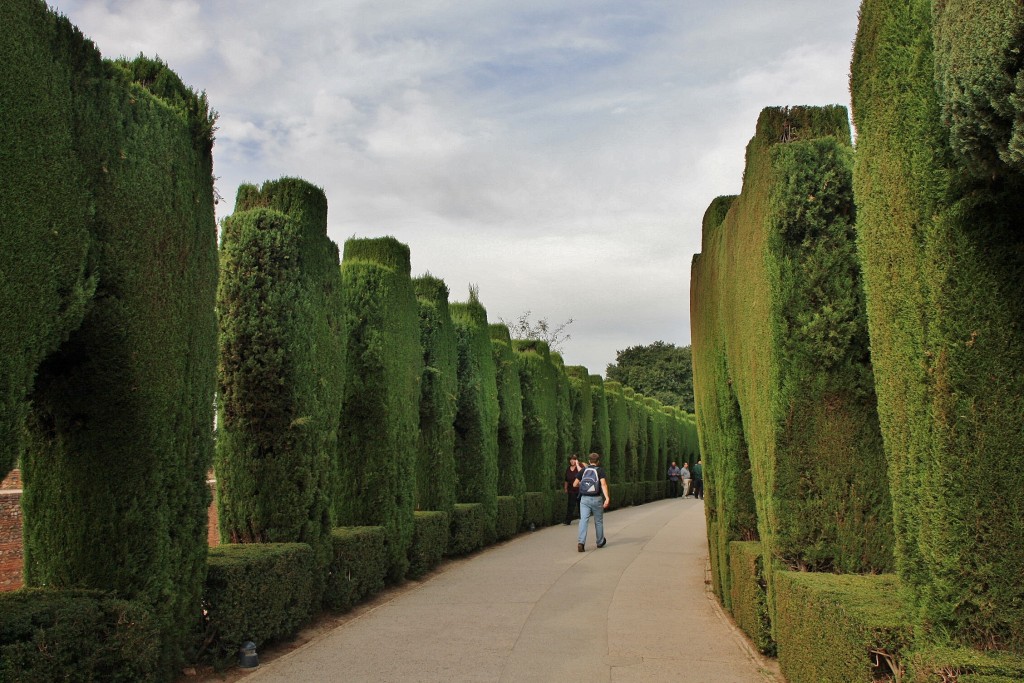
point(524, 328)
point(659, 370)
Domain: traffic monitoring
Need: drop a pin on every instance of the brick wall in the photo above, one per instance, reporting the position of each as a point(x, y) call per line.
point(11, 556)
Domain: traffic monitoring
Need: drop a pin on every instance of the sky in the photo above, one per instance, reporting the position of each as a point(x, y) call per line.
point(557, 154)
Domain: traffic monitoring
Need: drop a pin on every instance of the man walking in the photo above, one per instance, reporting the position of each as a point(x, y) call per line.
point(698, 480)
point(686, 479)
point(594, 499)
point(674, 473)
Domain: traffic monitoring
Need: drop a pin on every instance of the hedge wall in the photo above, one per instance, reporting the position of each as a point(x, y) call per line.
point(540, 416)
point(112, 271)
point(581, 403)
point(430, 539)
point(360, 562)
point(563, 403)
point(380, 421)
point(618, 428)
point(938, 220)
point(748, 594)
point(601, 439)
point(279, 307)
point(510, 416)
point(436, 479)
point(476, 418)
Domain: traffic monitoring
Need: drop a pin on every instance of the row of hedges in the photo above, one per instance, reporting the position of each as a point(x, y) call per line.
point(895, 269)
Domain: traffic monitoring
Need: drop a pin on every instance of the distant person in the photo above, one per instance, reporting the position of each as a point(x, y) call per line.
point(674, 475)
point(698, 480)
point(571, 486)
point(685, 474)
point(594, 499)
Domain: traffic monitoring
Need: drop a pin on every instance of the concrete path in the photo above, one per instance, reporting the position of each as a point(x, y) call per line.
point(535, 609)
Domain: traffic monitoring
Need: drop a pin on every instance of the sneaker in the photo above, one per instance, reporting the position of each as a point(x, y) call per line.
point(579, 546)
point(603, 542)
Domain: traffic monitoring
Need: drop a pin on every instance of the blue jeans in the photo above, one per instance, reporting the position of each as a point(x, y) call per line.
point(591, 505)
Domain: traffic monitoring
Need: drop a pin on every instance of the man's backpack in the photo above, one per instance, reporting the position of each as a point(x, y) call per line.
point(590, 482)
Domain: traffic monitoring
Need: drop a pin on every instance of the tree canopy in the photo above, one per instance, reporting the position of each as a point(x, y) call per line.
point(660, 370)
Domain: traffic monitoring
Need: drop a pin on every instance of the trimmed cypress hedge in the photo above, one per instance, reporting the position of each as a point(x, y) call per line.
point(436, 479)
point(540, 415)
point(830, 626)
point(510, 418)
point(380, 422)
point(601, 435)
point(538, 509)
point(563, 402)
point(53, 635)
point(581, 403)
point(476, 419)
point(510, 515)
point(361, 561)
point(114, 317)
point(936, 665)
point(632, 436)
point(618, 428)
point(471, 529)
point(279, 306)
point(430, 537)
point(259, 592)
point(749, 594)
point(942, 254)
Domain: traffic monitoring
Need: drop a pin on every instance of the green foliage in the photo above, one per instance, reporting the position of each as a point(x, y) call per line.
point(658, 370)
point(979, 71)
point(553, 335)
point(476, 419)
point(937, 665)
point(77, 635)
point(749, 594)
point(361, 561)
point(379, 429)
point(436, 479)
point(471, 529)
point(539, 511)
point(279, 306)
point(510, 514)
point(109, 276)
point(510, 417)
point(540, 416)
point(563, 412)
point(830, 625)
point(601, 439)
point(430, 538)
point(581, 403)
point(260, 592)
point(943, 261)
point(618, 430)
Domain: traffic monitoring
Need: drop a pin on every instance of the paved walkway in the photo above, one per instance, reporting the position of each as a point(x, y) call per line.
point(535, 609)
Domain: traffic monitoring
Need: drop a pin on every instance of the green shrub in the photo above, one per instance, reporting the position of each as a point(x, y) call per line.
point(538, 509)
point(618, 431)
point(828, 626)
point(510, 516)
point(360, 563)
point(510, 419)
point(601, 433)
point(942, 254)
point(750, 594)
point(379, 430)
point(962, 665)
point(108, 255)
point(476, 418)
point(540, 416)
point(436, 480)
point(77, 635)
point(279, 307)
point(429, 541)
point(471, 529)
point(258, 591)
point(563, 413)
point(581, 405)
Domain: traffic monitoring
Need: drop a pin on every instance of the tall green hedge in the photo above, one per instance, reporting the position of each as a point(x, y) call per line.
point(633, 454)
point(566, 440)
point(540, 416)
point(618, 428)
point(436, 479)
point(279, 307)
point(476, 418)
point(938, 220)
point(581, 403)
point(510, 416)
point(658, 466)
point(380, 419)
point(601, 436)
point(108, 253)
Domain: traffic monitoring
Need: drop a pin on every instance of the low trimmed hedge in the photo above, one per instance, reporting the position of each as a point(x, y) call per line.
point(77, 635)
point(537, 509)
point(469, 529)
point(749, 594)
point(359, 564)
point(640, 493)
point(622, 495)
point(430, 534)
point(508, 517)
point(656, 490)
point(832, 628)
point(964, 666)
point(259, 592)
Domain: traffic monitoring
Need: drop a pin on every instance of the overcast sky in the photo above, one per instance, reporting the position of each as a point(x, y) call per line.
point(559, 154)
